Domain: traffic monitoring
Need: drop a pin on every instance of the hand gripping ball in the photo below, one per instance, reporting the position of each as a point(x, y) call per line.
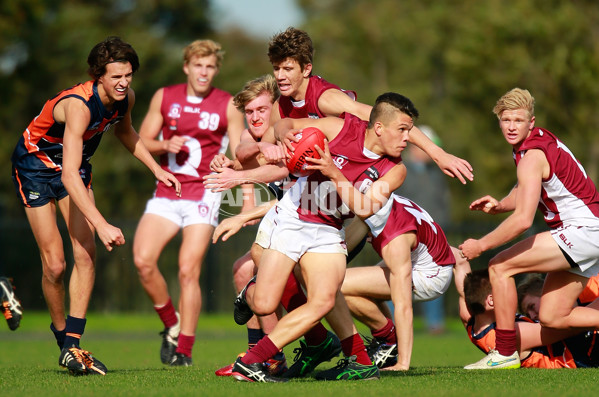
point(305, 147)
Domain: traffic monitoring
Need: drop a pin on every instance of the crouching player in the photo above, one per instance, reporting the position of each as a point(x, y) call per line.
point(417, 266)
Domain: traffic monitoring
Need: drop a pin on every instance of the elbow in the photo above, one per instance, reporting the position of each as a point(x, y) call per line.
point(524, 223)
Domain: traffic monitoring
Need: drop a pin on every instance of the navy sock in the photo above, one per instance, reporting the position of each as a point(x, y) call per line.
point(74, 330)
point(59, 335)
point(254, 336)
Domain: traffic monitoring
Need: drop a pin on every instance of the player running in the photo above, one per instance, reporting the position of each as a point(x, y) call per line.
point(186, 125)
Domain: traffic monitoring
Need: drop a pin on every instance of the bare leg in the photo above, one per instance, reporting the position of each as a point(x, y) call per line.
point(46, 233)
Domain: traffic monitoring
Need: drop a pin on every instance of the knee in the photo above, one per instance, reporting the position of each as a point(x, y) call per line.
point(321, 305)
point(264, 304)
point(54, 271)
point(145, 266)
point(189, 272)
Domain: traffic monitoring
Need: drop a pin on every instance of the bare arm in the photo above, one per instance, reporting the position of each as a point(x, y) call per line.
point(530, 174)
point(151, 127)
point(451, 165)
point(334, 102)
point(460, 269)
point(227, 178)
point(76, 117)
point(232, 225)
point(285, 129)
point(125, 132)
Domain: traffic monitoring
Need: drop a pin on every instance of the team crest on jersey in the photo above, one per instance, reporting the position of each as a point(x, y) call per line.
point(340, 161)
point(174, 111)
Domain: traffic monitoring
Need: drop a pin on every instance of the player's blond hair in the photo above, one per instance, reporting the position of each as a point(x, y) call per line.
point(203, 48)
point(517, 98)
point(254, 88)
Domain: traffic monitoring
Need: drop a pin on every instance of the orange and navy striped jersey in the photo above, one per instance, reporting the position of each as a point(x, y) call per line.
point(574, 352)
point(590, 292)
point(40, 147)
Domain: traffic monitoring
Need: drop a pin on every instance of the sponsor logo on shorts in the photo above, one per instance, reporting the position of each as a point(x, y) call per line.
point(565, 240)
point(33, 195)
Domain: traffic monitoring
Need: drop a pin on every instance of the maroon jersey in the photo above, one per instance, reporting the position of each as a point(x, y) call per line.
point(314, 198)
point(568, 196)
point(400, 216)
point(204, 122)
point(308, 108)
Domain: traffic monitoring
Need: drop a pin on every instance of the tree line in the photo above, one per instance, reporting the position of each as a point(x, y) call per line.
point(453, 59)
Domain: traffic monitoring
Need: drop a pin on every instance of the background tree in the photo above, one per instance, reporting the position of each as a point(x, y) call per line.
point(453, 59)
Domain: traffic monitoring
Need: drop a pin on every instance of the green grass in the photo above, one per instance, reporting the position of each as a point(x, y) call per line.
point(129, 346)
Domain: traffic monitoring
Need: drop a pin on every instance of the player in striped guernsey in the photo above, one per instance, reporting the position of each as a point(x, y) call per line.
point(51, 169)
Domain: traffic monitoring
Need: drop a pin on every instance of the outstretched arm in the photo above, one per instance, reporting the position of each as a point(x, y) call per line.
point(230, 226)
point(530, 174)
point(451, 165)
point(460, 269)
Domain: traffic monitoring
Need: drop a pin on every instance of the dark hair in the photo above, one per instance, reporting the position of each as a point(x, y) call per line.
point(477, 287)
point(531, 285)
point(292, 43)
point(388, 103)
point(113, 49)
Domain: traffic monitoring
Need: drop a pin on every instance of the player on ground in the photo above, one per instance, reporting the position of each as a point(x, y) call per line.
point(538, 347)
point(550, 177)
point(306, 228)
point(417, 266)
point(531, 289)
point(51, 168)
point(186, 125)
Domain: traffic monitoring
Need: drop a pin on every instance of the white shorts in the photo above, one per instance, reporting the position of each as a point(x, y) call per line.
point(286, 233)
point(429, 280)
point(581, 244)
point(187, 212)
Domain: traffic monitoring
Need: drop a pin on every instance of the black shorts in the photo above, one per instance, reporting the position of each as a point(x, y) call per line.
point(35, 190)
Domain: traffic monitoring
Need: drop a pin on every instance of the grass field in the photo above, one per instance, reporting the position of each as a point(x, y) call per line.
point(129, 346)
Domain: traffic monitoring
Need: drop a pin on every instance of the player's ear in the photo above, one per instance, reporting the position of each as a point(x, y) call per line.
point(307, 70)
point(378, 128)
point(489, 302)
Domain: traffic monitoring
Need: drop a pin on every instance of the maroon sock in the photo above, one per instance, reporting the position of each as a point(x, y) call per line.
point(354, 346)
point(505, 341)
point(167, 314)
point(263, 350)
point(387, 333)
point(293, 297)
point(185, 344)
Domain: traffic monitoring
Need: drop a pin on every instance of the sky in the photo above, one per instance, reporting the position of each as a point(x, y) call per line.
point(258, 18)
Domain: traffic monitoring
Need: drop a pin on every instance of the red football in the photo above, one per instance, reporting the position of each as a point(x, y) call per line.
point(305, 147)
